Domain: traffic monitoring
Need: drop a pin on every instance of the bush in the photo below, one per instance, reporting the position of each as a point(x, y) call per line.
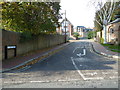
point(90, 34)
point(76, 35)
point(25, 36)
point(101, 40)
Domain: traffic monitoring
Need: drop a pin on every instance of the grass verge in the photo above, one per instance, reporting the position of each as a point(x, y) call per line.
point(114, 48)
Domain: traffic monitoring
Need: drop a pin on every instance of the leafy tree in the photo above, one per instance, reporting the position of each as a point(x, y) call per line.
point(76, 35)
point(33, 17)
point(91, 34)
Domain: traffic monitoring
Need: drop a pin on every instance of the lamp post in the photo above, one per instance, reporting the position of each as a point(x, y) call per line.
point(65, 28)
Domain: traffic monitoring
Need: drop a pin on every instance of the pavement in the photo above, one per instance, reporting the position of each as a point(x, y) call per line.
point(30, 58)
point(23, 61)
point(98, 48)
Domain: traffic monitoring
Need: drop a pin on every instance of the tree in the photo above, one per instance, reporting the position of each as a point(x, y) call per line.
point(91, 34)
point(116, 13)
point(104, 14)
point(76, 34)
point(33, 17)
point(97, 23)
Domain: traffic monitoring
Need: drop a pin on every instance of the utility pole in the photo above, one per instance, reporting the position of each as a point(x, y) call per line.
point(65, 28)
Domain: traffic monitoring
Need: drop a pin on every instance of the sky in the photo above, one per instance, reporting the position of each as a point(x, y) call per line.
point(78, 12)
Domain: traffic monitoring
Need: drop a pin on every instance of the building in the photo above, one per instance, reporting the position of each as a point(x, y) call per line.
point(83, 31)
point(67, 26)
point(113, 32)
point(80, 30)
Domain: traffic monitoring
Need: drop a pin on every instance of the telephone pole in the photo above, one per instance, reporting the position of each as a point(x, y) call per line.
point(65, 28)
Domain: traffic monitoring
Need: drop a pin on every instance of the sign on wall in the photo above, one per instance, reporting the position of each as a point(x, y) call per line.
point(9, 47)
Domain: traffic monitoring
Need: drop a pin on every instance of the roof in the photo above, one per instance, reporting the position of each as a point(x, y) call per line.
point(88, 29)
point(66, 20)
point(80, 26)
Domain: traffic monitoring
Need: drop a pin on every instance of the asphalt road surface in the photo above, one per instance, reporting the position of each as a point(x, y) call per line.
point(75, 66)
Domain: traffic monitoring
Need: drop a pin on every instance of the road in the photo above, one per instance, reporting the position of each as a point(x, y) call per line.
point(75, 66)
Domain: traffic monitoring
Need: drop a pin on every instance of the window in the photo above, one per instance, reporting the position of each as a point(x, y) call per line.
point(111, 30)
point(119, 28)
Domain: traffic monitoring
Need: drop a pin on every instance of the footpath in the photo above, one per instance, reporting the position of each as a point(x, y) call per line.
point(29, 59)
point(23, 61)
point(98, 48)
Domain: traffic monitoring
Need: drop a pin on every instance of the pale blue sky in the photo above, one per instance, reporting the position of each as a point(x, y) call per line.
point(79, 12)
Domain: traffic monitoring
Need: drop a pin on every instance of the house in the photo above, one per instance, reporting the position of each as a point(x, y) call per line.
point(113, 32)
point(83, 31)
point(80, 30)
point(65, 27)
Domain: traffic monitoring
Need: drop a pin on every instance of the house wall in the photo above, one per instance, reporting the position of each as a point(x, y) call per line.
point(80, 31)
point(69, 29)
point(98, 36)
point(113, 37)
point(40, 42)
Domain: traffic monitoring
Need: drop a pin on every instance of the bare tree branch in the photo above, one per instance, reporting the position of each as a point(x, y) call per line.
point(114, 4)
point(105, 11)
point(98, 22)
point(100, 15)
point(110, 10)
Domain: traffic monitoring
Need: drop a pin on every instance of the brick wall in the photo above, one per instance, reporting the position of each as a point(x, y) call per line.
point(40, 42)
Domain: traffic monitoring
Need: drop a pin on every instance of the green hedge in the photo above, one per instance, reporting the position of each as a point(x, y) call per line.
point(101, 40)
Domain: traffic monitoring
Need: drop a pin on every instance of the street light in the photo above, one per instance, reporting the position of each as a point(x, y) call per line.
point(65, 26)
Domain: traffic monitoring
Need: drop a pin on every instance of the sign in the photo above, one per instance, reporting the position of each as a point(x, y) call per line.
point(9, 47)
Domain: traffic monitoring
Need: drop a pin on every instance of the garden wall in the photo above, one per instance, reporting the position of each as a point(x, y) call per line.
point(40, 42)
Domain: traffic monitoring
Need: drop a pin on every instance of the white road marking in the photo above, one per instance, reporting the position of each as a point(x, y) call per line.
point(79, 55)
point(60, 80)
point(84, 53)
point(81, 65)
point(112, 77)
point(78, 69)
point(104, 72)
point(46, 81)
point(39, 81)
point(94, 78)
point(68, 80)
point(15, 82)
point(82, 75)
point(94, 73)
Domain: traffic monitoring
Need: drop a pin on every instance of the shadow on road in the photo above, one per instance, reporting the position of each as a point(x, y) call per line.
point(62, 61)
